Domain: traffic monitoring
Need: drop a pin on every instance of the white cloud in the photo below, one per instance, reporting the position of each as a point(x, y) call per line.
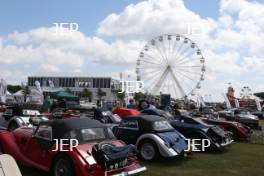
point(13, 76)
point(232, 44)
point(254, 64)
point(151, 18)
point(47, 68)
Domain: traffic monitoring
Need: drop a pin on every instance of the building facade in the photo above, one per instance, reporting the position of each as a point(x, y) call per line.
point(77, 85)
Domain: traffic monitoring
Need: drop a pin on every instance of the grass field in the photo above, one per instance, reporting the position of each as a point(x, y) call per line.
point(241, 159)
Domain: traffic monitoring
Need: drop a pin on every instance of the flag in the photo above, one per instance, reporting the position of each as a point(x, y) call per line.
point(3, 90)
point(258, 104)
point(237, 103)
point(37, 84)
point(228, 104)
point(51, 84)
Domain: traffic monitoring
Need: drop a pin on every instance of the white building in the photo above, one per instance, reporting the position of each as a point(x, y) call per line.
point(77, 85)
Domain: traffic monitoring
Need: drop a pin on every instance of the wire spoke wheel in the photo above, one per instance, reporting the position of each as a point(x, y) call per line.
point(171, 64)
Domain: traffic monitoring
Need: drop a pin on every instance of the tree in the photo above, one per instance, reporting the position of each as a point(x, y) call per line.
point(100, 94)
point(120, 96)
point(138, 96)
point(87, 94)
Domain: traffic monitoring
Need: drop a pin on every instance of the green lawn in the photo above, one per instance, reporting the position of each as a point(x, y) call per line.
point(241, 159)
point(261, 123)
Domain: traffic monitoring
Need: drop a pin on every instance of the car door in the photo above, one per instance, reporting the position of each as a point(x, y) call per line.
point(40, 144)
point(128, 131)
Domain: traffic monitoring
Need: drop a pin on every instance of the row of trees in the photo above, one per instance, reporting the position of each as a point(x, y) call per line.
point(87, 94)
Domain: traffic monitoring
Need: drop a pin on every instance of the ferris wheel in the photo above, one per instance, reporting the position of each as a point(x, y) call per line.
point(171, 64)
point(246, 92)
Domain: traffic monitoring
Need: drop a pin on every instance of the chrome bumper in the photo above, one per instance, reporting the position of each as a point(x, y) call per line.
point(136, 171)
point(227, 143)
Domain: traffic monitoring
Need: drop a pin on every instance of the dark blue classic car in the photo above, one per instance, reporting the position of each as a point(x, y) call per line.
point(196, 130)
point(153, 136)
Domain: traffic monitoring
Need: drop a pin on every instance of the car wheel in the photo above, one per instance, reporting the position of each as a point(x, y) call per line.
point(148, 150)
point(234, 134)
point(12, 126)
point(62, 166)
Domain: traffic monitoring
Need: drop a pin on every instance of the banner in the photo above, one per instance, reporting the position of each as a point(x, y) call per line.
point(3, 90)
point(51, 84)
point(37, 84)
point(237, 103)
point(258, 104)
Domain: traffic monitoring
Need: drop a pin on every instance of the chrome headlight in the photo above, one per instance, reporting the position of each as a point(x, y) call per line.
point(111, 167)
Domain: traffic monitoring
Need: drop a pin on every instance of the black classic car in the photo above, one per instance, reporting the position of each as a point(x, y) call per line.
point(93, 113)
point(152, 135)
point(196, 130)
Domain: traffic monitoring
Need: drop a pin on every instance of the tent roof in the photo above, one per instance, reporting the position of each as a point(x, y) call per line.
point(63, 94)
point(19, 93)
point(260, 95)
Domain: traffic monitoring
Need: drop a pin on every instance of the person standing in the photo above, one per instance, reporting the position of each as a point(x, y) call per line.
point(46, 104)
point(131, 104)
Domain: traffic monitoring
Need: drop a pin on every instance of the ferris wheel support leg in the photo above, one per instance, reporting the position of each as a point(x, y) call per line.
point(177, 83)
point(160, 81)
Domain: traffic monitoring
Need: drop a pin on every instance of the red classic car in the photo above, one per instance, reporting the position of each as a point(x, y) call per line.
point(123, 112)
point(69, 147)
point(238, 130)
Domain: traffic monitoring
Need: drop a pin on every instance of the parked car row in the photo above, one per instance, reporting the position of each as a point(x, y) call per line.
point(88, 141)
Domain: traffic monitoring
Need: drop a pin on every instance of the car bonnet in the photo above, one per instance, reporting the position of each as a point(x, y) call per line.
point(175, 140)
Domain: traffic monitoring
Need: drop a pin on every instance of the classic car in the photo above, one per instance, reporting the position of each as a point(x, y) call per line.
point(103, 116)
point(48, 146)
point(17, 116)
point(123, 112)
point(152, 135)
point(195, 128)
point(93, 113)
point(238, 130)
point(259, 114)
point(2, 107)
point(242, 116)
point(60, 113)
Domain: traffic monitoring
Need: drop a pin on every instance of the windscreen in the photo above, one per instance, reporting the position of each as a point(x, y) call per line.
point(90, 134)
point(162, 126)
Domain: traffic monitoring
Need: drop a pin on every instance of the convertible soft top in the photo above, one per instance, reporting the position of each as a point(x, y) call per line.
point(145, 121)
point(145, 118)
point(61, 126)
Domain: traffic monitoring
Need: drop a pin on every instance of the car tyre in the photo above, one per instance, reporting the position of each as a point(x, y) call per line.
point(12, 126)
point(62, 166)
point(234, 133)
point(148, 150)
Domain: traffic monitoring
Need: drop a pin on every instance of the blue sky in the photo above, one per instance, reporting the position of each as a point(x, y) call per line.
point(112, 33)
point(16, 15)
